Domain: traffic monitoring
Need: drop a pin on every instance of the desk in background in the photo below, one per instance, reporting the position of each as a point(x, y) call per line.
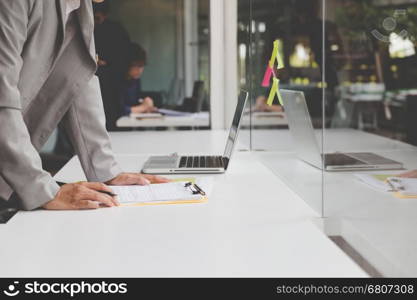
point(265, 119)
point(198, 120)
point(193, 120)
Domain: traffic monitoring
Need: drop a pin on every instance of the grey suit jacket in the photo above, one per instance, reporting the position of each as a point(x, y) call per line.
point(41, 83)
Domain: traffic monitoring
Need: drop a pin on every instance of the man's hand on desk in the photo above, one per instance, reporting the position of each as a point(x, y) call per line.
point(136, 179)
point(82, 195)
point(89, 195)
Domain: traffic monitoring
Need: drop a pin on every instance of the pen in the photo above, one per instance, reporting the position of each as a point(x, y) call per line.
point(108, 193)
point(199, 189)
point(104, 192)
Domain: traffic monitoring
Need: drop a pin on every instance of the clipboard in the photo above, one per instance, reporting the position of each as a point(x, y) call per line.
point(186, 189)
point(403, 188)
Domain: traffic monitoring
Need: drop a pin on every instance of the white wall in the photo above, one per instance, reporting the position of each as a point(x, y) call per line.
point(223, 57)
point(190, 44)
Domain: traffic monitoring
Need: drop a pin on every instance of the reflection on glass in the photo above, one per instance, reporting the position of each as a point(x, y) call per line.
point(244, 69)
point(298, 26)
point(378, 66)
point(373, 110)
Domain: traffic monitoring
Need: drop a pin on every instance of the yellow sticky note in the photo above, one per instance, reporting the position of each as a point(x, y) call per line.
point(273, 92)
point(280, 60)
point(279, 93)
point(274, 54)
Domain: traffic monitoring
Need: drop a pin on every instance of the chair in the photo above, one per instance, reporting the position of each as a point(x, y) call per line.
point(195, 102)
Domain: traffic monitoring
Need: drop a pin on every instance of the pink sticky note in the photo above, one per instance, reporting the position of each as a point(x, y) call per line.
point(267, 77)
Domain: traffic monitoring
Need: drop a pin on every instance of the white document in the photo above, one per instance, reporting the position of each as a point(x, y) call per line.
point(165, 192)
point(173, 113)
point(146, 116)
point(374, 181)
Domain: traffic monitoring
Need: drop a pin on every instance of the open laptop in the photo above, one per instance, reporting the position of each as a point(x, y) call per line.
point(308, 150)
point(176, 164)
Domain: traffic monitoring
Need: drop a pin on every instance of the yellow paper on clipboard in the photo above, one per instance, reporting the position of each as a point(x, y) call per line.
point(401, 196)
point(202, 200)
point(190, 179)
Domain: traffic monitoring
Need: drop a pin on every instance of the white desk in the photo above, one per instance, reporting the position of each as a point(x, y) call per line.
point(203, 120)
point(253, 225)
point(194, 120)
point(379, 226)
point(265, 119)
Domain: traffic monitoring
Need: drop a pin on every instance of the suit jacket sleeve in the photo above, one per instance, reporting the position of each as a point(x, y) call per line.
point(85, 124)
point(20, 164)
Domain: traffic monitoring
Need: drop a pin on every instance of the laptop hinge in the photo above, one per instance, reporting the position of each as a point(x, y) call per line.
point(225, 162)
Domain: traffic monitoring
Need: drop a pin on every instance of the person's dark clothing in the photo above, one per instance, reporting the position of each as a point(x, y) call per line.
point(112, 46)
point(131, 93)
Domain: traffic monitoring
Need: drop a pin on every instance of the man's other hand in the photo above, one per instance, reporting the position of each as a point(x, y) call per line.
point(136, 179)
point(83, 195)
point(410, 174)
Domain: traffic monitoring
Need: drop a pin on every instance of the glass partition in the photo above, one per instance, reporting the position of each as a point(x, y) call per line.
point(370, 130)
point(347, 127)
point(287, 56)
point(244, 63)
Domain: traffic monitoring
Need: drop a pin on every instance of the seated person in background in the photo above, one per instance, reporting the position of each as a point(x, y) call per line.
point(132, 99)
point(262, 106)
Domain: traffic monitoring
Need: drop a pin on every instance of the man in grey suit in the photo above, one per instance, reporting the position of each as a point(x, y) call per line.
point(47, 66)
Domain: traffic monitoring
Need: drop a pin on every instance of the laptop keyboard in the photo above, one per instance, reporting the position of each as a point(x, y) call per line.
point(201, 162)
point(340, 159)
point(372, 158)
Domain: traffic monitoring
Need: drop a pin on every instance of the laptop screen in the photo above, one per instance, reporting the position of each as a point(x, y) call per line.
point(234, 130)
point(301, 127)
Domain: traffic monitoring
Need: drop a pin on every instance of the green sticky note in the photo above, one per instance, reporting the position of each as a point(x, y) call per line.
point(280, 60)
point(273, 92)
point(274, 54)
point(279, 93)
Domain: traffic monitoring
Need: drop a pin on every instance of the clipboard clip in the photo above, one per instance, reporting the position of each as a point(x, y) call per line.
point(394, 188)
point(195, 189)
